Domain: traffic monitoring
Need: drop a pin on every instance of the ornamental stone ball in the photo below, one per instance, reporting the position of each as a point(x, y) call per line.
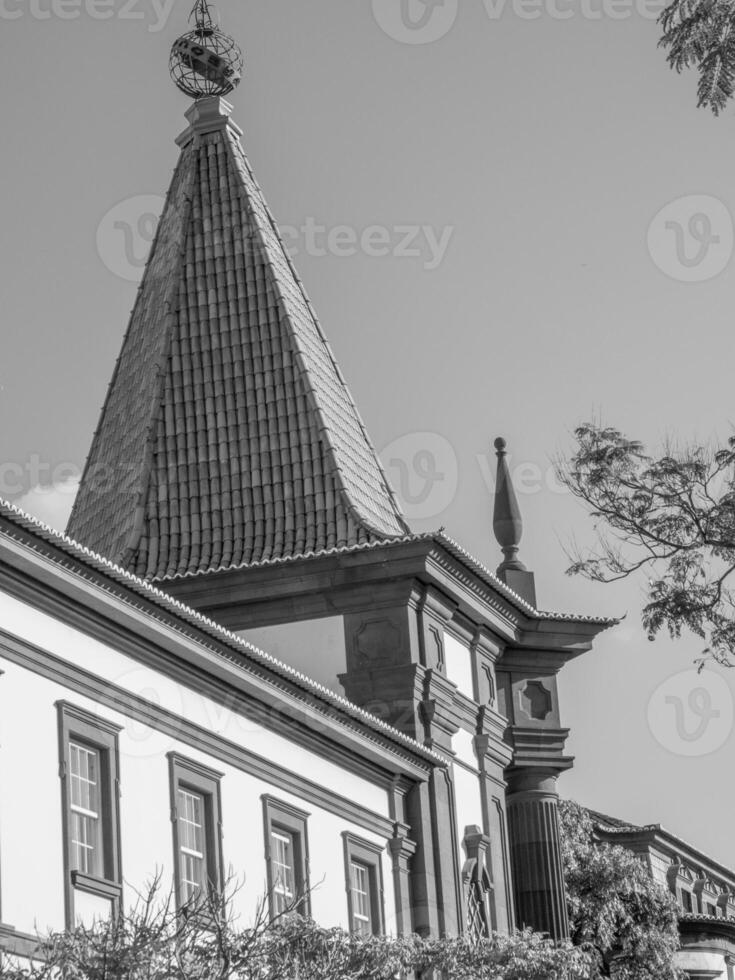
point(205, 61)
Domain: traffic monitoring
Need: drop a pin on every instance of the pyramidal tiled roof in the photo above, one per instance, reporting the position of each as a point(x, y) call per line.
point(228, 436)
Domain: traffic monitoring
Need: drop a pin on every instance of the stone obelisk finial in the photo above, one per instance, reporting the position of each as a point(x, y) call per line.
point(508, 527)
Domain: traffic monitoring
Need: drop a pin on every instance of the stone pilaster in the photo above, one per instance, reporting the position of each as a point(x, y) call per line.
point(493, 756)
point(395, 669)
point(402, 849)
point(529, 698)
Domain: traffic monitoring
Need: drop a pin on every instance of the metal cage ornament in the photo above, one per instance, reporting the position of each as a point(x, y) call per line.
point(205, 61)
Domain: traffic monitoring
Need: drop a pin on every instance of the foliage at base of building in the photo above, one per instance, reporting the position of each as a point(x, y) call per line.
point(155, 941)
point(617, 911)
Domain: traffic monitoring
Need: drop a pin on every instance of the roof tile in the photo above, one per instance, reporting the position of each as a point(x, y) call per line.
point(228, 415)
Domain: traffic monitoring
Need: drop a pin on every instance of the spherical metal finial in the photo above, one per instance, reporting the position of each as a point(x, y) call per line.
point(501, 445)
point(205, 61)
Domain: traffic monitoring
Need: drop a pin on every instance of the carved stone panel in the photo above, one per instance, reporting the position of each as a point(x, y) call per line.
point(536, 701)
point(377, 643)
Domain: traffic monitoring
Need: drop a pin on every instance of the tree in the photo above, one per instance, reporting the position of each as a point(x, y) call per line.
point(616, 909)
point(671, 514)
point(157, 941)
point(700, 34)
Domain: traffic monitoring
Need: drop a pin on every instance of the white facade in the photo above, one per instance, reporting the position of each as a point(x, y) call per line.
point(95, 656)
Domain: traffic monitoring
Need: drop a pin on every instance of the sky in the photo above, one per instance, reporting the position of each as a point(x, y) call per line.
point(511, 218)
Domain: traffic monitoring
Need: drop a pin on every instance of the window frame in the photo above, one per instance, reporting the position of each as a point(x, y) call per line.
point(369, 856)
point(202, 781)
point(76, 725)
point(278, 815)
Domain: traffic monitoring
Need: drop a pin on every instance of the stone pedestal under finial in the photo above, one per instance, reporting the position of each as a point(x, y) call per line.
point(508, 527)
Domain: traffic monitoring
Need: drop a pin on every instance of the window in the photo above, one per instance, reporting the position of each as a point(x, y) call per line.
point(686, 900)
point(710, 909)
point(364, 882)
point(287, 856)
point(362, 898)
point(284, 869)
point(85, 809)
point(90, 777)
point(192, 843)
point(197, 826)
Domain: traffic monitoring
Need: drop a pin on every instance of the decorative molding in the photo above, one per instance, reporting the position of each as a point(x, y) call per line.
point(18, 943)
point(477, 880)
point(539, 749)
point(505, 851)
point(377, 643)
point(446, 852)
point(402, 850)
point(436, 635)
point(536, 701)
point(97, 886)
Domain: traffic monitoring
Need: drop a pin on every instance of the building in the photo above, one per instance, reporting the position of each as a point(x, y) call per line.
point(704, 890)
point(405, 747)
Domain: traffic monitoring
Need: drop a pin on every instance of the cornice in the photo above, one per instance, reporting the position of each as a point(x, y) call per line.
point(81, 585)
point(703, 927)
point(539, 749)
point(444, 562)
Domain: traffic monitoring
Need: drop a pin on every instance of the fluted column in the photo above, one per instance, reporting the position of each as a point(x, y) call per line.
point(535, 850)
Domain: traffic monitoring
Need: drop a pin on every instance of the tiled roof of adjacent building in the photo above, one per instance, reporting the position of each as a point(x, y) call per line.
point(228, 436)
point(615, 827)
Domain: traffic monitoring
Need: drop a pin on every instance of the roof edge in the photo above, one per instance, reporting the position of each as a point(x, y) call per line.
point(352, 506)
point(431, 537)
point(656, 829)
point(187, 616)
